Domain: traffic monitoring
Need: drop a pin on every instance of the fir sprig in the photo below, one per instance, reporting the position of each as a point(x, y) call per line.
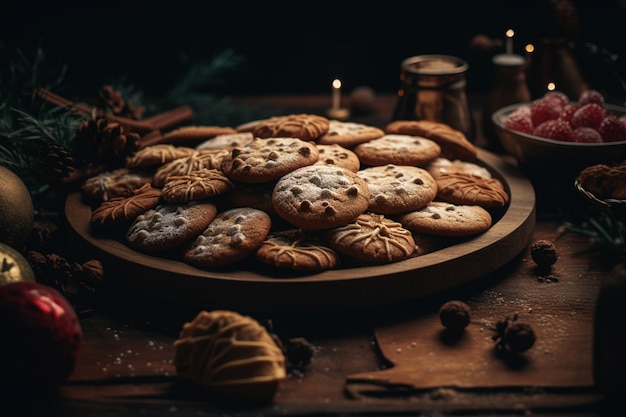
point(606, 231)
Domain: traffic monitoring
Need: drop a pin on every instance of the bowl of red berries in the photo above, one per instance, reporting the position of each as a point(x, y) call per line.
point(555, 137)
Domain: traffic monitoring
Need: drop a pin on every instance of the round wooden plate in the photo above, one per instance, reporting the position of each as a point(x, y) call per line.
point(247, 289)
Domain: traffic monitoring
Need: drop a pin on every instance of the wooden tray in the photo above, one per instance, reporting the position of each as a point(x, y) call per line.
point(247, 289)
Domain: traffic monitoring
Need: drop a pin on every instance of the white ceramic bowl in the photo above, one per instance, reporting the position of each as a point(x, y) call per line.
point(546, 157)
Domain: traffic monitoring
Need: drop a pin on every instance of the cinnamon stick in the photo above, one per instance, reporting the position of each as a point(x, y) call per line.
point(154, 137)
point(170, 118)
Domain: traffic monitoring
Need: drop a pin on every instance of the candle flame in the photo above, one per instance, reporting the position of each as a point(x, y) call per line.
point(551, 86)
point(336, 84)
point(530, 48)
point(510, 33)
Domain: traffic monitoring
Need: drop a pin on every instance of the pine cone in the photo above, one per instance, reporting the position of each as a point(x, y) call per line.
point(57, 162)
point(102, 140)
point(114, 101)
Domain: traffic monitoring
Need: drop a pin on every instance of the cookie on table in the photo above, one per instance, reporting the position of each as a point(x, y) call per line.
point(444, 165)
point(454, 144)
point(398, 150)
point(464, 188)
point(372, 238)
point(119, 212)
point(226, 141)
point(169, 225)
point(349, 134)
point(339, 156)
point(265, 160)
point(195, 133)
point(197, 185)
point(232, 236)
point(320, 197)
point(120, 182)
point(157, 155)
point(303, 126)
point(441, 218)
point(204, 159)
point(297, 250)
point(398, 188)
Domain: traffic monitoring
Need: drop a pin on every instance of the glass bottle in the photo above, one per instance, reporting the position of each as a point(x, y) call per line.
point(432, 87)
point(509, 87)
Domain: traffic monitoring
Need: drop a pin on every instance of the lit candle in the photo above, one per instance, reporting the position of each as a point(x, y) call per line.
point(551, 86)
point(509, 41)
point(336, 94)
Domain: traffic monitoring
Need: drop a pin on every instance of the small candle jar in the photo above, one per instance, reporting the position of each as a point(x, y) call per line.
point(433, 88)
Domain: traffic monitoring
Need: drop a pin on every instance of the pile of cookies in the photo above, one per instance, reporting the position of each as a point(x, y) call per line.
point(297, 193)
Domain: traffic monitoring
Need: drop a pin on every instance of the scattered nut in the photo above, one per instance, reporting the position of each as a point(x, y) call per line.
point(455, 315)
point(544, 253)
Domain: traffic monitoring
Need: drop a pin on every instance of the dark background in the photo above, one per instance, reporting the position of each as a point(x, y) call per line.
point(299, 47)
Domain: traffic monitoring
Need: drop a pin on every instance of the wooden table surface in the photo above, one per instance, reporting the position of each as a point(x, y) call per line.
point(389, 360)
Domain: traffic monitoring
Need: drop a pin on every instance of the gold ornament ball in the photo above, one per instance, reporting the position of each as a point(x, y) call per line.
point(16, 208)
point(13, 266)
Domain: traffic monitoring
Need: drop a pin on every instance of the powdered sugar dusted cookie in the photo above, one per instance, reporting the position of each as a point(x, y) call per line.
point(349, 134)
point(454, 144)
point(463, 188)
point(302, 126)
point(197, 185)
point(339, 156)
point(447, 219)
point(372, 238)
point(297, 250)
point(444, 165)
point(398, 150)
point(320, 197)
point(169, 225)
point(265, 160)
point(226, 141)
point(232, 236)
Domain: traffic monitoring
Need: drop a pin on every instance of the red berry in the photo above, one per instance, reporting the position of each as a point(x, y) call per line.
point(41, 336)
point(557, 97)
point(612, 130)
point(554, 129)
point(587, 115)
point(519, 120)
point(567, 112)
point(544, 109)
point(586, 135)
point(591, 96)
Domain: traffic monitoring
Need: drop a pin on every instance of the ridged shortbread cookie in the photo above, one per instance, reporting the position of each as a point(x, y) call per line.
point(232, 236)
point(440, 218)
point(265, 160)
point(197, 185)
point(398, 150)
point(372, 238)
point(297, 250)
point(169, 225)
point(120, 182)
point(204, 159)
point(464, 188)
point(156, 155)
point(320, 197)
point(398, 188)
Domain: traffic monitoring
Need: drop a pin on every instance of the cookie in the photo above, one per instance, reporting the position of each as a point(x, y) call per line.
point(169, 225)
point(204, 159)
point(604, 181)
point(197, 185)
point(120, 182)
point(339, 156)
point(320, 197)
point(440, 218)
point(464, 188)
point(294, 249)
point(349, 134)
point(232, 236)
point(119, 212)
point(195, 133)
point(398, 188)
point(156, 155)
point(226, 141)
point(444, 165)
point(454, 144)
point(372, 238)
point(302, 126)
point(398, 150)
point(265, 160)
